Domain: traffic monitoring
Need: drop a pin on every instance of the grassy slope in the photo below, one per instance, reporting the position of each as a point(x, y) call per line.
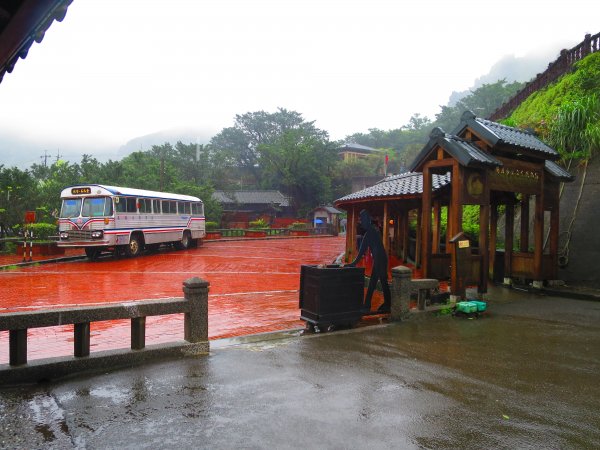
point(541, 107)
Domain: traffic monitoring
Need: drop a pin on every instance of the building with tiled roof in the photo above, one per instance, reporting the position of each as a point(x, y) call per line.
point(484, 164)
point(243, 206)
point(352, 151)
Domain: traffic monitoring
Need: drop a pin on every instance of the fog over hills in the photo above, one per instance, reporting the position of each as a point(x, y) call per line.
point(24, 149)
point(513, 68)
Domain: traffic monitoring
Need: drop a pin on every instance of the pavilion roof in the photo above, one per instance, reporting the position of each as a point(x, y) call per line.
point(403, 185)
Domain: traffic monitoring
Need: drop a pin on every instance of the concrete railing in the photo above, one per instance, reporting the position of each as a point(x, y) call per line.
point(194, 306)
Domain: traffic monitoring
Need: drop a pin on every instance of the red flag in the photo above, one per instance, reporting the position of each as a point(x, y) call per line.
point(387, 158)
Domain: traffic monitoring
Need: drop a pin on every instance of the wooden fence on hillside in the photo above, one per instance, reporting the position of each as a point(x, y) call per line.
point(555, 69)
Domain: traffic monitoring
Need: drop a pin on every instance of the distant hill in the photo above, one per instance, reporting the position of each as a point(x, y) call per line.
point(513, 68)
point(172, 136)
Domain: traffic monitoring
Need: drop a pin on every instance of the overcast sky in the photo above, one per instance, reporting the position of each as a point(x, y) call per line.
point(117, 69)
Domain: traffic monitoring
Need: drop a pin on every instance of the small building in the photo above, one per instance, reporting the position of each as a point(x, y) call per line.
point(241, 207)
point(492, 167)
point(323, 216)
point(351, 151)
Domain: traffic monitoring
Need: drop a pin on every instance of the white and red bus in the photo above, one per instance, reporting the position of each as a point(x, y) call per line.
point(125, 221)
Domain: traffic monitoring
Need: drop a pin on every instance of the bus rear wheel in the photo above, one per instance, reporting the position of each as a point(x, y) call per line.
point(186, 241)
point(135, 246)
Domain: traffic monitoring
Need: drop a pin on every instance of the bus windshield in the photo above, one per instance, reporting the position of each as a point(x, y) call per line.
point(70, 207)
point(97, 207)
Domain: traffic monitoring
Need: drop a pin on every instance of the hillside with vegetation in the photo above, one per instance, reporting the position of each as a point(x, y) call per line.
point(566, 115)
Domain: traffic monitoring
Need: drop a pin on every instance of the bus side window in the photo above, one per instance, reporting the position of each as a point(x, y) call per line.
point(131, 204)
point(145, 205)
point(121, 204)
point(108, 207)
point(187, 208)
point(156, 206)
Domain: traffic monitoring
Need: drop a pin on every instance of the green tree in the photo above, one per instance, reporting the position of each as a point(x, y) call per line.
point(299, 163)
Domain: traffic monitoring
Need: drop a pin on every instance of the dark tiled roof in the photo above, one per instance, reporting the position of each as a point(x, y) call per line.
point(329, 209)
point(405, 184)
point(251, 197)
point(21, 23)
point(496, 133)
point(354, 147)
point(556, 171)
point(465, 152)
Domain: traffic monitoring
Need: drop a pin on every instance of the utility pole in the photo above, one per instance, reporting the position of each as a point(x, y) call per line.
point(58, 155)
point(45, 157)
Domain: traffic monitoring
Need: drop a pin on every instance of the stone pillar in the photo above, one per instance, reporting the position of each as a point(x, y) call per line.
point(401, 276)
point(195, 291)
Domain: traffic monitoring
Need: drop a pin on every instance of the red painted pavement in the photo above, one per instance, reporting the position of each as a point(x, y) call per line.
point(253, 288)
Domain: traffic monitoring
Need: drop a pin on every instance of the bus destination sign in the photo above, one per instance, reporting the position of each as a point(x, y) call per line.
point(81, 190)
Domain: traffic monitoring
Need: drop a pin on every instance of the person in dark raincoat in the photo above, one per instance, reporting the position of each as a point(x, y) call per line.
point(372, 240)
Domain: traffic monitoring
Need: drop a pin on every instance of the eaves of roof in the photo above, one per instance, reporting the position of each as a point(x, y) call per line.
point(405, 185)
point(465, 152)
point(497, 134)
point(24, 23)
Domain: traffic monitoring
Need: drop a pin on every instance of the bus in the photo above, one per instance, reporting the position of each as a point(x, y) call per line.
point(125, 221)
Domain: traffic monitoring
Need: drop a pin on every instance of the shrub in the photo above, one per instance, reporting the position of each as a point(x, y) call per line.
point(298, 226)
point(258, 224)
point(211, 225)
point(42, 231)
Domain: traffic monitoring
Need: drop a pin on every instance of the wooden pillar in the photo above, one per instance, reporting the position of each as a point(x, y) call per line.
point(554, 235)
point(508, 238)
point(538, 236)
point(484, 248)
point(386, 225)
point(455, 220)
point(493, 240)
point(405, 234)
point(524, 245)
point(351, 235)
point(426, 221)
point(437, 222)
point(418, 244)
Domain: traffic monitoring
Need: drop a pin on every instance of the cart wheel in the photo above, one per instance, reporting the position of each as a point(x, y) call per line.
point(331, 328)
point(316, 329)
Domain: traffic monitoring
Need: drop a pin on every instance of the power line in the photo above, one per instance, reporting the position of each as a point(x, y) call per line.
point(45, 157)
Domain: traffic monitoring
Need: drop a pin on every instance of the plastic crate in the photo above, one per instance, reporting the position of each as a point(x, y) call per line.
point(466, 307)
point(481, 306)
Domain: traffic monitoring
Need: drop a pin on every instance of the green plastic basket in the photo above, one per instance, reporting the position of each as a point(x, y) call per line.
point(481, 306)
point(466, 307)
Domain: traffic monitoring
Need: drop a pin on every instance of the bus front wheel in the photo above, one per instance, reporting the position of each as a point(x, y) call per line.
point(92, 253)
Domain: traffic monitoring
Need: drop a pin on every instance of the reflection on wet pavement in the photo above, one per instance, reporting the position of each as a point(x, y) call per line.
point(253, 288)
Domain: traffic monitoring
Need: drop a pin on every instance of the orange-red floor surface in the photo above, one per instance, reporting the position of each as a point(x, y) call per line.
point(253, 288)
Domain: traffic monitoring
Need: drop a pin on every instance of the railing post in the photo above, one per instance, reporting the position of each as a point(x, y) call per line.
point(195, 291)
point(401, 276)
point(138, 333)
point(17, 342)
point(82, 339)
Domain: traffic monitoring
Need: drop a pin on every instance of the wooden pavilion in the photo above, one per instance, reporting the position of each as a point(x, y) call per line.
point(494, 167)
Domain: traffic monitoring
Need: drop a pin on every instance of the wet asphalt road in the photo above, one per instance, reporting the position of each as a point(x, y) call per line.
point(525, 376)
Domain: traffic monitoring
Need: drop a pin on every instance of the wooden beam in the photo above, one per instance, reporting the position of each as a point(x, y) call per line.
point(538, 237)
point(386, 239)
point(405, 234)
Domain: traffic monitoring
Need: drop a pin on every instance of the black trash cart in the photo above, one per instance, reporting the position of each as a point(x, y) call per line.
point(331, 296)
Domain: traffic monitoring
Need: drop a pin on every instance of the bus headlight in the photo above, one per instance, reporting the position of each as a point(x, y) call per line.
point(97, 234)
point(64, 235)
